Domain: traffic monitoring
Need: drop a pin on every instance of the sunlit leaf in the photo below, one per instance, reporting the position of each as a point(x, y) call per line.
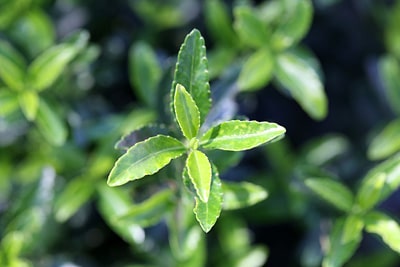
point(240, 135)
point(186, 112)
point(199, 171)
point(242, 194)
point(386, 142)
point(145, 158)
point(29, 103)
point(12, 66)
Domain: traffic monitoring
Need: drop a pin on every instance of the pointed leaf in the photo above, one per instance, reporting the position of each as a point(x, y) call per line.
point(191, 72)
point(353, 226)
point(250, 28)
point(379, 183)
point(199, 171)
point(48, 66)
point(50, 124)
point(387, 142)
point(240, 135)
point(186, 112)
point(332, 191)
point(389, 70)
point(243, 194)
point(384, 226)
point(149, 212)
point(207, 213)
point(145, 72)
point(339, 249)
point(257, 70)
point(303, 83)
point(294, 24)
point(29, 102)
point(12, 67)
point(145, 158)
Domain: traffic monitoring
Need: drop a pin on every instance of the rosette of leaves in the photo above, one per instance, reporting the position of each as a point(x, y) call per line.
point(190, 104)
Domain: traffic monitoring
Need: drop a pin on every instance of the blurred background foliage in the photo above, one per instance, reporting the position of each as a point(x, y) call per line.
point(59, 124)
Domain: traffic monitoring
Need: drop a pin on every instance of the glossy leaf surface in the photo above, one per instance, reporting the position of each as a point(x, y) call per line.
point(186, 112)
point(208, 213)
point(240, 135)
point(303, 83)
point(192, 72)
point(145, 158)
point(243, 194)
point(199, 171)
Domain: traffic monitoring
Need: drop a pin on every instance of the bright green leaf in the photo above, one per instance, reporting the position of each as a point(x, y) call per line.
point(257, 70)
point(240, 135)
point(29, 103)
point(332, 191)
point(151, 211)
point(8, 102)
point(145, 72)
point(191, 72)
point(243, 194)
point(255, 257)
point(219, 22)
point(250, 28)
point(48, 66)
point(296, 20)
point(186, 112)
point(50, 124)
point(12, 67)
point(208, 212)
point(303, 83)
point(199, 170)
point(145, 158)
point(353, 226)
point(387, 142)
point(384, 226)
point(389, 71)
point(339, 249)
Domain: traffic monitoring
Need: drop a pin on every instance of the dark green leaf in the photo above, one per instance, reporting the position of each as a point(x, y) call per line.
point(240, 135)
point(145, 72)
point(332, 191)
point(303, 83)
point(186, 112)
point(13, 66)
point(243, 194)
point(50, 124)
point(392, 34)
point(192, 72)
point(389, 71)
point(208, 213)
point(250, 28)
point(257, 70)
point(145, 158)
point(386, 142)
point(149, 212)
point(199, 170)
point(384, 226)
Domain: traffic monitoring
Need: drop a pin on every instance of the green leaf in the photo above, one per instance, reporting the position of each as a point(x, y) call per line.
point(240, 135)
point(255, 257)
point(219, 23)
point(303, 83)
point(50, 124)
point(219, 59)
point(257, 70)
point(392, 34)
point(353, 226)
point(243, 194)
point(339, 249)
point(250, 28)
point(389, 70)
point(332, 191)
point(74, 196)
point(151, 211)
point(387, 142)
point(379, 183)
point(191, 72)
point(145, 72)
point(199, 170)
point(8, 102)
point(296, 20)
point(145, 158)
point(12, 66)
point(48, 66)
point(29, 102)
point(186, 112)
point(384, 226)
point(207, 213)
